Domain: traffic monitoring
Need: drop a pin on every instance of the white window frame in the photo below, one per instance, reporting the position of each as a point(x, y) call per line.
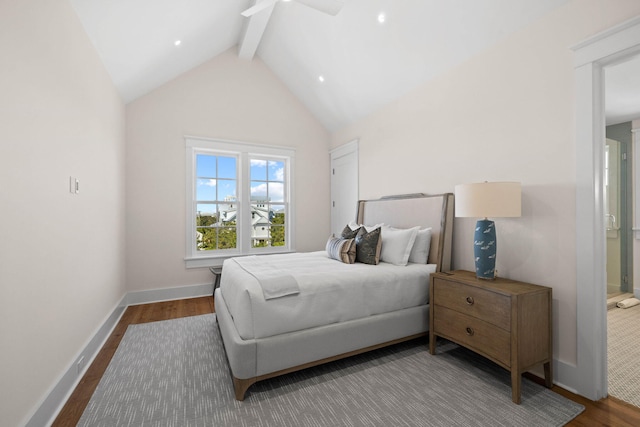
point(244, 152)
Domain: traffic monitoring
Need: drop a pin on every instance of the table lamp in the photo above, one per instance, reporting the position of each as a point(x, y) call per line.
point(484, 200)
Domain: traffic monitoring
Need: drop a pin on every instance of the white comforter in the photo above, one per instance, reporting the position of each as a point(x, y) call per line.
point(330, 292)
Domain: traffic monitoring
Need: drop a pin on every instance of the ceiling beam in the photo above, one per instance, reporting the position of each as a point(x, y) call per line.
point(253, 31)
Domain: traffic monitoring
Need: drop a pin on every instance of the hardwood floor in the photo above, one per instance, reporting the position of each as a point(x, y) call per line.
point(606, 412)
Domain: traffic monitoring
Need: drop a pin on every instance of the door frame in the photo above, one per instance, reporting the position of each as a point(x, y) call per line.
point(590, 57)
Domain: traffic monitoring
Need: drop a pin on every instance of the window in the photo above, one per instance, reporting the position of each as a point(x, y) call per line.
point(216, 204)
point(238, 200)
point(268, 212)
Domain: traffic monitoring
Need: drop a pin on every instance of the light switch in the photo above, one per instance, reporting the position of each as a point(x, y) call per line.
point(74, 185)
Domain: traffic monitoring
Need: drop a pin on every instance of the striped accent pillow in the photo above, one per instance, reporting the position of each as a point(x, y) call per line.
point(342, 249)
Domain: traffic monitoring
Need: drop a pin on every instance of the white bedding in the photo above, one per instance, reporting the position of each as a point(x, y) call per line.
point(330, 292)
point(272, 280)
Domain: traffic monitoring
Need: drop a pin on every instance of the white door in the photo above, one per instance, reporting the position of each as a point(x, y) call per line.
point(344, 185)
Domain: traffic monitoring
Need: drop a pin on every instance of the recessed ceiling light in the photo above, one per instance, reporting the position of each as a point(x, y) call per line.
point(321, 79)
point(177, 42)
point(381, 18)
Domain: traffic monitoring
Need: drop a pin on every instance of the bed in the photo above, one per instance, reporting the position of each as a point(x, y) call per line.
point(281, 313)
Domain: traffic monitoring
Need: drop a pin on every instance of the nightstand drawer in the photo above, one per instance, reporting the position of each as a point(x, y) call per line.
point(476, 334)
point(486, 305)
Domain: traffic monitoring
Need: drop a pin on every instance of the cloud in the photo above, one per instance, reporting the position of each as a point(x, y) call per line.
point(259, 190)
point(276, 192)
point(258, 162)
point(280, 174)
point(207, 182)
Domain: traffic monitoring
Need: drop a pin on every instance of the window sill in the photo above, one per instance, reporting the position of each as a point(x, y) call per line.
point(216, 261)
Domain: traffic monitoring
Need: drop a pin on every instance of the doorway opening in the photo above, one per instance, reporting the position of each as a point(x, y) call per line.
point(623, 310)
point(618, 211)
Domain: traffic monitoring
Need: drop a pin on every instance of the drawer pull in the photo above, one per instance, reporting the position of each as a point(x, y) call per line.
point(470, 300)
point(470, 331)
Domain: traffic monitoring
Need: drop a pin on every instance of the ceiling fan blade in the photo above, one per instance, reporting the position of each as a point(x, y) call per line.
point(258, 7)
point(332, 7)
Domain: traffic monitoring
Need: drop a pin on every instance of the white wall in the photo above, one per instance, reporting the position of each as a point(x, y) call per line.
point(224, 98)
point(61, 255)
point(506, 114)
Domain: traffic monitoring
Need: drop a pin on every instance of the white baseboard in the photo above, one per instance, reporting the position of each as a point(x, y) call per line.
point(52, 404)
point(168, 294)
point(568, 376)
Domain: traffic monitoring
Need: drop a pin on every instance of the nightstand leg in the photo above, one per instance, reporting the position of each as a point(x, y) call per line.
point(432, 343)
point(548, 376)
point(516, 380)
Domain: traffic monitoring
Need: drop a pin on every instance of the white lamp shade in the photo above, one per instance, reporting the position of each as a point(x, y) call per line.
point(488, 200)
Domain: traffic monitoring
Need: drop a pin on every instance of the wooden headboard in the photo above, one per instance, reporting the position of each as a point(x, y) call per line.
point(406, 211)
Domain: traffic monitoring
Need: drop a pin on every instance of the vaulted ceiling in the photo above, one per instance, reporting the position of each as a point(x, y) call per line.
point(342, 67)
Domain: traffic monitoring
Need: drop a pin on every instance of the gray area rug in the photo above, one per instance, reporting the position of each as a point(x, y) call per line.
point(623, 329)
point(175, 373)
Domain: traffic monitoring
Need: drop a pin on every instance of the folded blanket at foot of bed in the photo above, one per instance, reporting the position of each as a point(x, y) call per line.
point(274, 282)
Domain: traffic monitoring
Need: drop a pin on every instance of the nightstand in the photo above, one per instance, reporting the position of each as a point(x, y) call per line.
point(506, 321)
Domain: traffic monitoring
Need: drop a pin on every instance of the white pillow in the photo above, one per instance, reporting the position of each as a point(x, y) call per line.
point(420, 251)
point(354, 226)
point(397, 244)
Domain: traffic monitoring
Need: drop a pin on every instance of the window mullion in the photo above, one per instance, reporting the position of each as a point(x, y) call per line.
point(191, 201)
point(245, 195)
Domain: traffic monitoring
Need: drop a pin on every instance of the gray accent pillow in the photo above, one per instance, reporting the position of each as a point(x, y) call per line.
point(349, 233)
point(342, 249)
point(368, 245)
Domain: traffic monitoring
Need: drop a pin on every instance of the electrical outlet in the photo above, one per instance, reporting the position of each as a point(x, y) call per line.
point(80, 364)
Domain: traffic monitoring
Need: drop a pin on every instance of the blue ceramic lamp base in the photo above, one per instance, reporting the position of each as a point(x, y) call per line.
point(484, 249)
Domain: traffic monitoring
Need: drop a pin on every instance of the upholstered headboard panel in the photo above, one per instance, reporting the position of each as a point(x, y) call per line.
point(435, 211)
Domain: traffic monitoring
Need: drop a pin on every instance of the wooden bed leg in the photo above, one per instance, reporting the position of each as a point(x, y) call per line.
point(241, 387)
